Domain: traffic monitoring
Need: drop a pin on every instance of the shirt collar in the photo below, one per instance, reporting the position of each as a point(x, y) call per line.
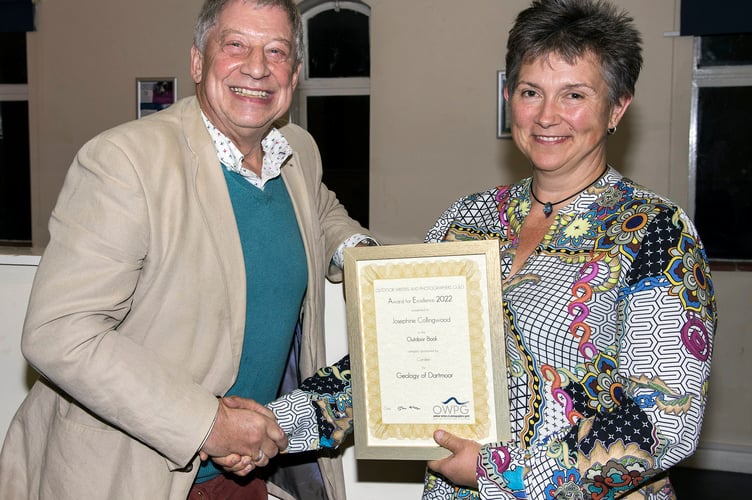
point(276, 151)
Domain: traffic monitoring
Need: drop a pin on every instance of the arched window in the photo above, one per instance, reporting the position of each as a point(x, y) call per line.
point(333, 97)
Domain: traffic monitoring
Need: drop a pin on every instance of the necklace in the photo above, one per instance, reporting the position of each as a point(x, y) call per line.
point(548, 206)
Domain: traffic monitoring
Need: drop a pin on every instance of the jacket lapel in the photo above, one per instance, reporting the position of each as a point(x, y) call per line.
point(215, 205)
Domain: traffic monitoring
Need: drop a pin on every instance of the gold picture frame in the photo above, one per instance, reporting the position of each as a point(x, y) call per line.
point(425, 333)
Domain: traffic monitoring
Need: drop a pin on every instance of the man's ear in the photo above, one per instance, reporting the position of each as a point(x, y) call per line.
point(296, 75)
point(197, 64)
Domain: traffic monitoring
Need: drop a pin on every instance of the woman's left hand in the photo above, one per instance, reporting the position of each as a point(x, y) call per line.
point(459, 467)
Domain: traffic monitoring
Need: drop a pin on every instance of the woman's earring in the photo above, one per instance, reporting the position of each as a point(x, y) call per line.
point(611, 130)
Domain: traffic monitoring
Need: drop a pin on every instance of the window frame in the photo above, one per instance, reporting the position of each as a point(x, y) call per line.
point(14, 92)
point(707, 77)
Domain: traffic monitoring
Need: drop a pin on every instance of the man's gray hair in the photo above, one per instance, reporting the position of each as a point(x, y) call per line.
point(212, 9)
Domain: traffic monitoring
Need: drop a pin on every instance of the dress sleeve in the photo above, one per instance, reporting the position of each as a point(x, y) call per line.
point(319, 413)
point(439, 229)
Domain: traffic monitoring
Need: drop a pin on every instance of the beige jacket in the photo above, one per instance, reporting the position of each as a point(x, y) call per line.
point(136, 315)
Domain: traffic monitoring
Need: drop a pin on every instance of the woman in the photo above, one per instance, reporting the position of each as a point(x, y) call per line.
point(608, 301)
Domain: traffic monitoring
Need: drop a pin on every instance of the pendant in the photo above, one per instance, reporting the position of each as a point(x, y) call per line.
point(547, 209)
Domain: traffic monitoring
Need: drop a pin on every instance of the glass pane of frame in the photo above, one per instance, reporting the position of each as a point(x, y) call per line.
point(725, 50)
point(15, 190)
point(340, 126)
point(338, 45)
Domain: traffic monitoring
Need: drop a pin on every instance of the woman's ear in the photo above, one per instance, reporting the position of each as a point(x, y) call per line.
point(618, 110)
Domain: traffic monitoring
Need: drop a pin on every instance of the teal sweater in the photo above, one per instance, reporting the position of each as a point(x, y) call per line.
point(276, 280)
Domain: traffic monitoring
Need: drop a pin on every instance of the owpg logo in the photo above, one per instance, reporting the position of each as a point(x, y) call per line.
point(452, 407)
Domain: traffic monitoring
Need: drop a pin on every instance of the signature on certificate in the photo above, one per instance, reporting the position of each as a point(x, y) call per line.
point(408, 408)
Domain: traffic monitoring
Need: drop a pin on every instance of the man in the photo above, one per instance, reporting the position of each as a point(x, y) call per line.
point(185, 248)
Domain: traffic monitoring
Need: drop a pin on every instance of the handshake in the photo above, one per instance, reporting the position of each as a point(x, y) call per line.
point(245, 435)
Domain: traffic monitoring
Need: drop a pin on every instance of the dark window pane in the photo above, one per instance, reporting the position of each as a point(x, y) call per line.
point(725, 50)
point(724, 174)
point(338, 45)
point(16, 16)
point(340, 126)
point(15, 193)
point(13, 58)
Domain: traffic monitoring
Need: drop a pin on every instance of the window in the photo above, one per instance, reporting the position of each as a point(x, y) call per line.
point(332, 100)
point(720, 149)
point(15, 191)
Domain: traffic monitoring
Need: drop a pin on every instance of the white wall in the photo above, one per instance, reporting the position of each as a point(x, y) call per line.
point(16, 275)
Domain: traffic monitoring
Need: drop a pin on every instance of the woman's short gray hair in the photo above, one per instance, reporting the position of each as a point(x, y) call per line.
point(572, 29)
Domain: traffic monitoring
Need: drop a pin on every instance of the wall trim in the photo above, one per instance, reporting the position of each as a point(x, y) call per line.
point(721, 456)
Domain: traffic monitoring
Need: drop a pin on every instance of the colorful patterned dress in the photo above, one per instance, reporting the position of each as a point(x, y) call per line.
point(609, 331)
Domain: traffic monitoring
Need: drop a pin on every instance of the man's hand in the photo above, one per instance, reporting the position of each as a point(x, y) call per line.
point(245, 436)
point(459, 467)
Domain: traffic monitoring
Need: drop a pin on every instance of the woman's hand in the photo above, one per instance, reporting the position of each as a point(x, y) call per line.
point(459, 467)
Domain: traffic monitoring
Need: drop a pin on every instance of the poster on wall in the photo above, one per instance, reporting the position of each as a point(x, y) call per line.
point(154, 94)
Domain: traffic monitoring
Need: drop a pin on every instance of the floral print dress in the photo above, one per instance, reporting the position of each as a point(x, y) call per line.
point(609, 328)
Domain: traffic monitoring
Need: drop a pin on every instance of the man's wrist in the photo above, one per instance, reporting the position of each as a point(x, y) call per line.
point(211, 428)
point(355, 240)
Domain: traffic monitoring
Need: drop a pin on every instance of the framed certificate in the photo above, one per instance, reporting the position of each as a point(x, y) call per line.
point(426, 347)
